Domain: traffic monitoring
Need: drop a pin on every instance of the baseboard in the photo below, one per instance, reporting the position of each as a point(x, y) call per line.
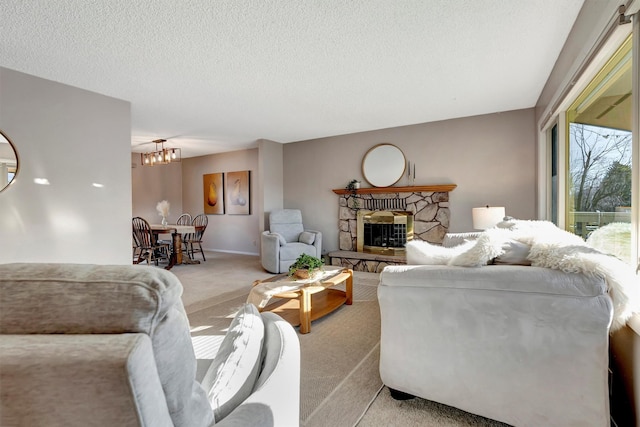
point(232, 252)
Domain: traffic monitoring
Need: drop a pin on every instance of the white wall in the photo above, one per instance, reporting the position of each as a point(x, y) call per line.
point(229, 233)
point(491, 158)
point(73, 138)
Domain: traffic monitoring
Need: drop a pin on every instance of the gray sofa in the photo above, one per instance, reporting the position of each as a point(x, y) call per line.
point(286, 240)
point(110, 346)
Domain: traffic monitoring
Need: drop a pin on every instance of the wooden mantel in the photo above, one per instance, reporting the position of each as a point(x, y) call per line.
point(441, 188)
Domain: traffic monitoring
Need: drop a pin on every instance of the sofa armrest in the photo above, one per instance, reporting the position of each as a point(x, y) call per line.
point(275, 400)
point(270, 252)
point(108, 379)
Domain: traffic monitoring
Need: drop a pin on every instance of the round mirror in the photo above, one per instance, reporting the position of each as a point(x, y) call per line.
point(383, 165)
point(8, 162)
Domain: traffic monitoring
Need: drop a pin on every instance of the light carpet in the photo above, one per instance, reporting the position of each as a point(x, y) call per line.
point(340, 381)
point(339, 358)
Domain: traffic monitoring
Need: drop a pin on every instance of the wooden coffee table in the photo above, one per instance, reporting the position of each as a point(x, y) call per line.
point(312, 300)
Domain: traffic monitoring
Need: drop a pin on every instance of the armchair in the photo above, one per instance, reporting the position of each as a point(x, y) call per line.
point(286, 240)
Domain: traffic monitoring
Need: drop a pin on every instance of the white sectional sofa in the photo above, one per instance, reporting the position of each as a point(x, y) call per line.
point(527, 346)
point(513, 324)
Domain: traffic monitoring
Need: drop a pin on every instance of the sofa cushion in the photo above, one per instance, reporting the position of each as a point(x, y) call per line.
point(110, 299)
point(306, 238)
point(291, 251)
point(78, 379)
point(287, 222)
point(235, 368)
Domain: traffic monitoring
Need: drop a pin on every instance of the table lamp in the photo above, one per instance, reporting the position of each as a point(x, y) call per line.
point(487, 217)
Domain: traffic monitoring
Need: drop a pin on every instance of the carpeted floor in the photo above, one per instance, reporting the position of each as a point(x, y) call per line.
point(340, 383)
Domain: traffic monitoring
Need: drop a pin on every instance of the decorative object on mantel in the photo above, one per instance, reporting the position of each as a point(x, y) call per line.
point(305, 266)
point(383, 165)
point(411, 178)
point(487, 217)
point(161, 155)
point(354, 185)
point(163, 210)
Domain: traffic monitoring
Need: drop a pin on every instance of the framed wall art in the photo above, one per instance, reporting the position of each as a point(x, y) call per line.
point(238, 197)
point(213, 190)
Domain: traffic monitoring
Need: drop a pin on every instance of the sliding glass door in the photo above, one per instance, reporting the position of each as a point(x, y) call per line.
point(599, 158)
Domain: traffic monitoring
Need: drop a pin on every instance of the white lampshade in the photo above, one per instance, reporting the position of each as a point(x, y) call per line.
point(487, 217)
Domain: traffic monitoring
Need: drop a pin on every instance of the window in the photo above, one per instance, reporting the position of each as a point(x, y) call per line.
point(554, 174)
point(599, 170)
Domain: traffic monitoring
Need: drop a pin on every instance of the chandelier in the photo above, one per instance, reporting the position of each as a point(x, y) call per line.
point(161, 155)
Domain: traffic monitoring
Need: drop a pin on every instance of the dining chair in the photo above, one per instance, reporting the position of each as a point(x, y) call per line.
point(184, 219)
point(200, 222)
point(147, 245)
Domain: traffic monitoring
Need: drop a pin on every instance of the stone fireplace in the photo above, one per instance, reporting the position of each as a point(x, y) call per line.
point(423, 210)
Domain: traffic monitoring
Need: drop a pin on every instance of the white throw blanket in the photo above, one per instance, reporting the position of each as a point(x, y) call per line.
point(545, 246)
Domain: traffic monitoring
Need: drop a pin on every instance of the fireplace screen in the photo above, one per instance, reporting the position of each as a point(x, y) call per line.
point(384, 232)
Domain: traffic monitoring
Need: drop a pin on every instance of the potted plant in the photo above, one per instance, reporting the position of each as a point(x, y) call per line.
point(353, 187)
point(305, 266)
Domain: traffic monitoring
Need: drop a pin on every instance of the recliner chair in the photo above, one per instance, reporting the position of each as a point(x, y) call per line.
point(286, 240)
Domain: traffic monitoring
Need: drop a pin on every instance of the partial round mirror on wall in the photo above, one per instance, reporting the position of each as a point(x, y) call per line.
point(8, 162)
point(383, 165)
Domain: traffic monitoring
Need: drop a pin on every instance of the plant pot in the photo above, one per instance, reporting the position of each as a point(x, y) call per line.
point(303, 273)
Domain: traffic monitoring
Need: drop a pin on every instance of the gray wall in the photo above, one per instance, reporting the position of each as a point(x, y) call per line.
point(152, 184)
point(228, 233)
point(491, 158)
point(270, 179)
point(74, 138)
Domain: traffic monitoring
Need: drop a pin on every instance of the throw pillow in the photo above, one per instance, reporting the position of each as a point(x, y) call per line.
point(236, 367)
point(281, 239)
point(420, 252)
point(306, 237)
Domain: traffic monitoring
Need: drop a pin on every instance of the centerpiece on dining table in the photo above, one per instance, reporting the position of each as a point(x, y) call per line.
point(306, 266)
point(163, 210)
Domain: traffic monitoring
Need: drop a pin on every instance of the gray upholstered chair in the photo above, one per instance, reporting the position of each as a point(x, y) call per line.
point(286, 240)
point(109, 345)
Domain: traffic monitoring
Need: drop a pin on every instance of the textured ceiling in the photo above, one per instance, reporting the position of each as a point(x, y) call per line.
point(216, 75)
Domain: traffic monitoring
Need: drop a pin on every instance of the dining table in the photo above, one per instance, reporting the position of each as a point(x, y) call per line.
point(176, 231)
